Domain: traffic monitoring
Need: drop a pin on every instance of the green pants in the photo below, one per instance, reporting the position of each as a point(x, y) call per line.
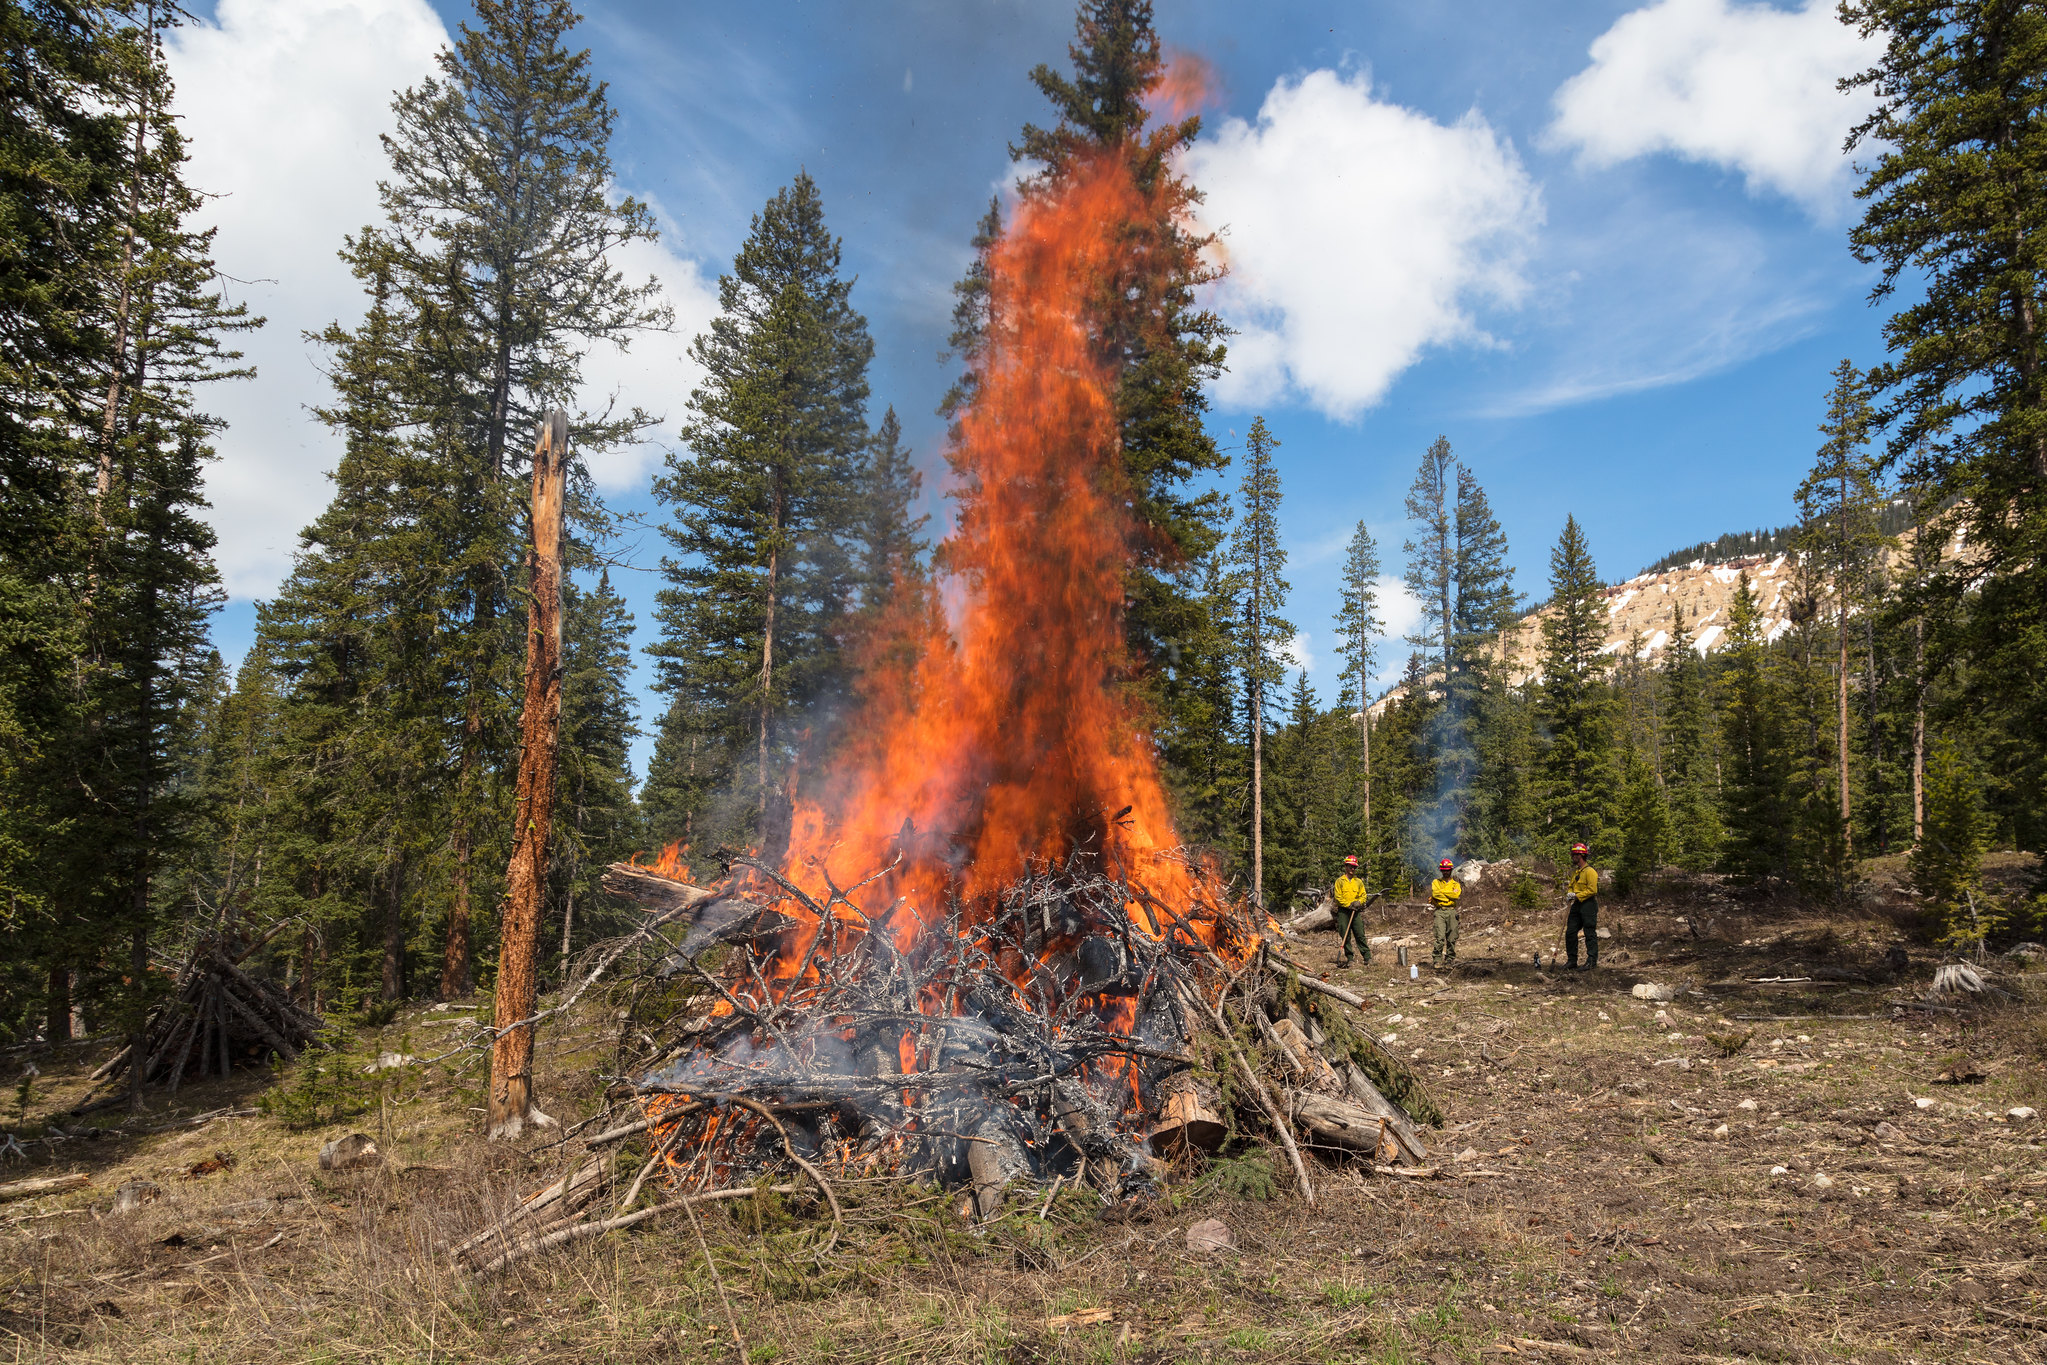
point(1350, 929)
point(1584, 917)
point(1446, 932)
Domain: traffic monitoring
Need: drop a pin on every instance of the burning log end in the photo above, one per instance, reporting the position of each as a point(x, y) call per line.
point(720, 917)
point(653, 890)
point(1101, 963)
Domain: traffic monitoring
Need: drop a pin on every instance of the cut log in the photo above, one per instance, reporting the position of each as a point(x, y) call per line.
point(1189, 1116)
point(1397, 1122)
point(1316, 1072)
point(1330, 1122)
point(50, 1184)
point(1308, 921)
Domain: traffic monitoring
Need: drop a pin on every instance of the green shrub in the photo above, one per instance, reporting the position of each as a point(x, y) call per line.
point(325, 1087)
point(1526, 893)
point(1250, 1176)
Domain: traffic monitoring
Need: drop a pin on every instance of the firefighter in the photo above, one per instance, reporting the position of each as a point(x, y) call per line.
point(1444, 891)
point(1584, 891)
point(1351, 899)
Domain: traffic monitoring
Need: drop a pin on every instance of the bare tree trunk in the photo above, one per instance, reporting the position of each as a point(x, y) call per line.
point(1841, 700)
point(57, 1005)
point(511, 1059)
point(1918, 731)
point(394, 933)
point(456, 977)
point(768, 659)
point(1257, 796)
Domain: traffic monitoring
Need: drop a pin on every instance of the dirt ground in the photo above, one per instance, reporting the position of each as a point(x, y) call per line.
point(1757, 1170)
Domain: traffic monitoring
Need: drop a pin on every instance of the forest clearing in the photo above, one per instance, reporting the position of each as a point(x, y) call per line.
point(1602, 1187)
point(918, 947)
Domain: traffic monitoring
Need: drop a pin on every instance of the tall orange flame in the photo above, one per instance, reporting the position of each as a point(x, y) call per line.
point(1010, 741)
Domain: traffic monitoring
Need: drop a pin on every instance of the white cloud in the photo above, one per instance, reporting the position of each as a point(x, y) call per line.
point(1750, 88)
point(1400, 611)
point(1359, 234)
point(282, 102)
point(1297, 653)
point(656, 371)
point(1725, 293)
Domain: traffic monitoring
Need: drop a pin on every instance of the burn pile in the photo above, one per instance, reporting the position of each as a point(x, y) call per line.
point(1046, 1034)
point(1072, 1032)
point(979, 953)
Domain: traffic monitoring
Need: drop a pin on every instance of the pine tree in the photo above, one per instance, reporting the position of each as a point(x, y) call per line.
point(1504, 806)
point(502, 221)
point(776, 437)
point(1687, 763)
point(1300, 800)
point(1957, 144)
point(1818, 845)
point(61, 152)
point(1432, 552)
point(596, 820)
point(1578, 776)
point(1358, 629)
point(1643, 809)
point(890, 540)
point(150, 584)
point(1644, 822)
point(1840, 539)
point(1755, 785)
point(373, 665)
point(1163, 345)
point(1483, 606)
point(1947, 865)
point(681, 779)
point(1257, 560)
point(1207, 764)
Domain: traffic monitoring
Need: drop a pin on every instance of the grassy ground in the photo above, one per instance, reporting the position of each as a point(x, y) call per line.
point(1606, 1192)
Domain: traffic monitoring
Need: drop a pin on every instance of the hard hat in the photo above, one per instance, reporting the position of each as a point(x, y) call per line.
point(1580, 849)
point(1351, 860)
point(1445, 864)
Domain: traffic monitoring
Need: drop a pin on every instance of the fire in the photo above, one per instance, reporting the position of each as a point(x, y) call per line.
point(998, 752)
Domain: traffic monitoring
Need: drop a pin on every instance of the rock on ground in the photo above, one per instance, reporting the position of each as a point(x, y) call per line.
point(350, 1153)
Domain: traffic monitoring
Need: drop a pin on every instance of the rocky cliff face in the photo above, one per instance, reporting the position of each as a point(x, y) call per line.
point(1645, 607)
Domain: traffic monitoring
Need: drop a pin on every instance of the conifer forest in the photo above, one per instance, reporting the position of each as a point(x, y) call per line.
point(884, 679)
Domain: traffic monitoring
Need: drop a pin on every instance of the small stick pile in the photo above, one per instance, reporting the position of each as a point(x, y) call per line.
point(218, 1018)
point(1051, 1038)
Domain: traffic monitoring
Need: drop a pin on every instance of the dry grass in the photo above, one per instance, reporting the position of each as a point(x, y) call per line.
point(1600, 1217)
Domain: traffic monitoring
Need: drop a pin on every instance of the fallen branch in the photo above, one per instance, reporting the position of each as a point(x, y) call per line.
point(52, 1184)
point(580, 1231)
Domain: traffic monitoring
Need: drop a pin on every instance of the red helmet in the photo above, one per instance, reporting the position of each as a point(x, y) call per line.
point(1580, 851)
point(1351, 860)
point(1445, 864)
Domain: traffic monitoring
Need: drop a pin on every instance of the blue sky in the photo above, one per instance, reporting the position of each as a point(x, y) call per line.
point(1601, 247)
